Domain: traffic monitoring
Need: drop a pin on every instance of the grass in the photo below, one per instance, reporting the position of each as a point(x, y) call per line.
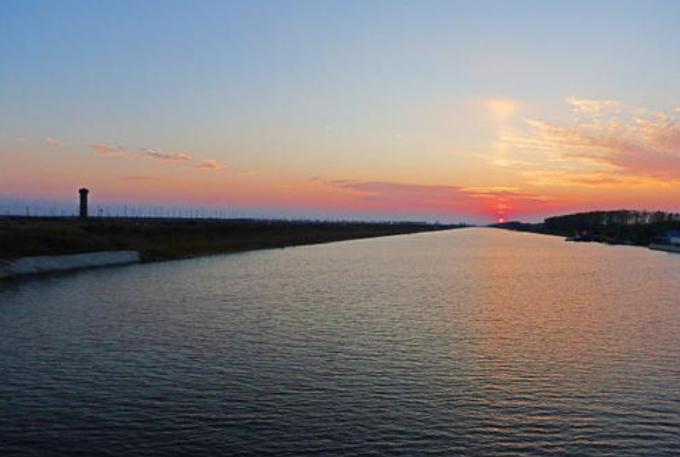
point(161, 239)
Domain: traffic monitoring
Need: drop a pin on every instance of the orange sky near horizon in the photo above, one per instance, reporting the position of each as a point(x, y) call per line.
point(605, 156)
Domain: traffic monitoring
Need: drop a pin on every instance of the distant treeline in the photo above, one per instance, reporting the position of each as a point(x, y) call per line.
point(619, 218)
point(620, 226)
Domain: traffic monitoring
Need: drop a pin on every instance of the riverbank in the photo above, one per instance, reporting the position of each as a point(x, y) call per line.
point(628, 227)
point(165, 239)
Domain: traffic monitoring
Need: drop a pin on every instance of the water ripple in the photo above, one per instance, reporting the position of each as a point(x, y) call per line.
point(471, 342)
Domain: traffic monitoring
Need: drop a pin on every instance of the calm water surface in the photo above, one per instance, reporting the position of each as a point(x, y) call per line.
point(475, 342)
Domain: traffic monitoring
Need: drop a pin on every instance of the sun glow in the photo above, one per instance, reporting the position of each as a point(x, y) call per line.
point(500, 110)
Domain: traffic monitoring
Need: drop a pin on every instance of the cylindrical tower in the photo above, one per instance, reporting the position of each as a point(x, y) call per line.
point(83, 202)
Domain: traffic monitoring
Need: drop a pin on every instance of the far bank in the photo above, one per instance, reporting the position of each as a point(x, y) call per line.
point(655, 229)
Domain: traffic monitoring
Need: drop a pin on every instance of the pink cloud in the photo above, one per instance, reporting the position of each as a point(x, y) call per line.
point(166, 156)
point(210, 164)
point(50, 141)
point(610, 179)
point(585, 105)
point(108, 150)
point(618, 142)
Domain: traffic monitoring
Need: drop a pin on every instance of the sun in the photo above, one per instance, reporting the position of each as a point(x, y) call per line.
point(501, 220)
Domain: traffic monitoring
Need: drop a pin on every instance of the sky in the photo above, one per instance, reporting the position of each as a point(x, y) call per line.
point(473, 111)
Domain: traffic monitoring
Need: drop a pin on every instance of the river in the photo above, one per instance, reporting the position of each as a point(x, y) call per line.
point(471, 341)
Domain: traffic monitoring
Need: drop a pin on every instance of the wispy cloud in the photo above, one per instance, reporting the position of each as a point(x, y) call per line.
point(612, 143)
point(605, 179)
point(589, 106)
point(166, 156)
point(50, 141)
point(210, 164)
point(111, 150)
point(490, 190)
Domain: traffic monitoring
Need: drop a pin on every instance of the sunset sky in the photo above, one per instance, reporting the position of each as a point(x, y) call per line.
point(441, 110)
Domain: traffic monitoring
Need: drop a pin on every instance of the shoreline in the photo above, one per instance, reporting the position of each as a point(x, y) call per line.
point(34, 246)
point(671, 249)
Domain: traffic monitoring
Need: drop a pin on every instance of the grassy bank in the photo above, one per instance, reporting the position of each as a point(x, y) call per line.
point(159, 239)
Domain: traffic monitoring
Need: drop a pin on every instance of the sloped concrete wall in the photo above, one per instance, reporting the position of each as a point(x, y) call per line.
point(46, 264)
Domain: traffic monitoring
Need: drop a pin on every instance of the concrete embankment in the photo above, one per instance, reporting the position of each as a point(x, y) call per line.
point(46, 264)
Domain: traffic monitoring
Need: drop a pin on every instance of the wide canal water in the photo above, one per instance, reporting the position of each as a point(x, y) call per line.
point(473, 342)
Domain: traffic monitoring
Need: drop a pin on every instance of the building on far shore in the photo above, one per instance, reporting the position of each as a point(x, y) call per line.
point(672, 237)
